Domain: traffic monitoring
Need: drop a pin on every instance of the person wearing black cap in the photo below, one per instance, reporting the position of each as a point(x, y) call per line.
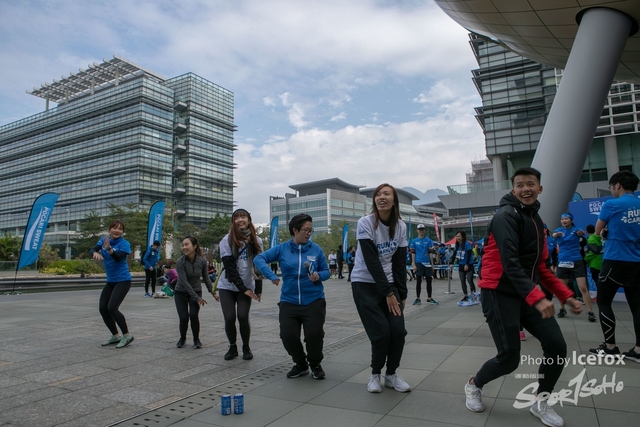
point(239, 283)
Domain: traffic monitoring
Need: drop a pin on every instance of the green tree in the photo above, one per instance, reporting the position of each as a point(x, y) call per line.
point(47, 255)
point(217, 228)
point(10, 247)
point(91, 229)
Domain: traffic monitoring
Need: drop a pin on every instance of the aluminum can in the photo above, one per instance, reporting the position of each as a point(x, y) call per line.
point(238, 403)
point(225, 404)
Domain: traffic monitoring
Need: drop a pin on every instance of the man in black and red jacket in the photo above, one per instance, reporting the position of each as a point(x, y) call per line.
point(512, 267)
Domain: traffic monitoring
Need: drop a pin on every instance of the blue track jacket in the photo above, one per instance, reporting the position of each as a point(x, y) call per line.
point(296, 287)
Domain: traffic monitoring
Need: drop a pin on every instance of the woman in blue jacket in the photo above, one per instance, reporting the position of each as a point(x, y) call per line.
point(302, 302)
point(464, 254)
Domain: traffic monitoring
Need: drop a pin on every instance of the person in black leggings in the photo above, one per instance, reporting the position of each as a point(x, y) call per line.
point(239, 284)
point(113, 251)
point(192, 269)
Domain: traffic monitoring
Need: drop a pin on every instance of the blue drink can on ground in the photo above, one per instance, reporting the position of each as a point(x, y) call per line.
point(225, 404)
point(238, 403)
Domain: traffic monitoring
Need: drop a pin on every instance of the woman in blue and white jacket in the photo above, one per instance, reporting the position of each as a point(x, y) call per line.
point(302, 302)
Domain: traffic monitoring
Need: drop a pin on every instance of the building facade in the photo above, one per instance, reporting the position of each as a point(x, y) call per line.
point(120, 135)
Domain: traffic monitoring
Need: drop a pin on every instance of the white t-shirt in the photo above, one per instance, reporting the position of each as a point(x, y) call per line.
point(244, 269)
point(332, 259)
point(386, 247)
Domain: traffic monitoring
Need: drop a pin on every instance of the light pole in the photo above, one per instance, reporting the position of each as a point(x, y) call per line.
point(68, 250)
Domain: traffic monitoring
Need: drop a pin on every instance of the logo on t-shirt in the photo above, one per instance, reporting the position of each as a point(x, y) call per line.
point(387, 247)
point(632, 217)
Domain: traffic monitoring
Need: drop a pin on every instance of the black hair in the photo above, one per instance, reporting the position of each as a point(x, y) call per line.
point(591, 229)
point(298, 221)
point(395, 209)
point(526, 171)
point(156, 243)
point(462, 234)
point(195, 244)
point(627, 180)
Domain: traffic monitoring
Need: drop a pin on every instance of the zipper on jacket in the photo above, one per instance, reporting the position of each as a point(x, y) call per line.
point(299, 273)
point(533, 269)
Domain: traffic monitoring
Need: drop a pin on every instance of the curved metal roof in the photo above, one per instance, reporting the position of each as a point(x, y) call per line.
point(542, 30)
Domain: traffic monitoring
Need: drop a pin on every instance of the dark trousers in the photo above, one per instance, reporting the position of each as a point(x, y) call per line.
point(309, 317)
point(188, 309)
point(150, 276)
point(111, 297)
point(350, 267)
point(429, 281)
point(614, 274)
point(385, 330)
point(340, 266)
point(504, 314)
point(229, 301)
point(466, 276)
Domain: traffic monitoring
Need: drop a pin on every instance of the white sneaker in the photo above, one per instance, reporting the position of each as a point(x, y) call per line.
point(396, 382)
point(374, 385)
point(474, 397)
point(547, 415)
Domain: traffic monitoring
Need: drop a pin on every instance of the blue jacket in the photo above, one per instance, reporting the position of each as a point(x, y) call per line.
point(296, 287)
point(151, 257)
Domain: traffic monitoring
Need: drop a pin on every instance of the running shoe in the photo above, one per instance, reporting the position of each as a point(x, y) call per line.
point(474, 397)
point(603, 350)
point(298, 371)
point(113, 340)
point(125, 341)
point(632, 355)
point(591, 316)
point(374, 385)
point(317, 372)
point(547, 415)
point(562, 312)
point(396, 382)
point(432, 301)
point(417, 301)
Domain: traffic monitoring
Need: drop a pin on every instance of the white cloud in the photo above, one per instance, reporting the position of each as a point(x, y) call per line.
point(296, 116)
point(268, 102)
point(337, 117)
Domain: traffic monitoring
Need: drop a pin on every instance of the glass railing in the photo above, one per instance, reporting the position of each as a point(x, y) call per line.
point(481, 187)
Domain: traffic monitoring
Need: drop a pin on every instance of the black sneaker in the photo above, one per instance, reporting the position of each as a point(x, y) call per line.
point(181, 342)
point(632, 355)
point(562, 312)
point(232, 353)
point(197, 344)
point(298, 370)
point(246, 352)
point(603, 350)
point(317, 372)
point(591, 316)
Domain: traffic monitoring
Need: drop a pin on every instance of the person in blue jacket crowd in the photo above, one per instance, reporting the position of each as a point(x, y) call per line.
point(570, 262)
point(302, 302)
point(464, 254)
point(150, 260)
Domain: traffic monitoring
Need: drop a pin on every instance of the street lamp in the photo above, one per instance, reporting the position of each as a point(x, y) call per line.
point(68, 250)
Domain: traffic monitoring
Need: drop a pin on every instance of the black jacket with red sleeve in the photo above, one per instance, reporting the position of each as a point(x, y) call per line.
point(515, 252)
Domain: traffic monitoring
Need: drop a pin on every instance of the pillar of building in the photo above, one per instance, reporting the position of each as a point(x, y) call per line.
point(573, 119)
point(498, 173)
point(611, 155)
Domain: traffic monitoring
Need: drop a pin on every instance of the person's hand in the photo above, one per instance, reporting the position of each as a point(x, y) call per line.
point(574, 305)
point(258, 297)
point(202, 302)
point(414, 268)
point(580, 233)
point(276, 282)
point(97, 256)
point(394, 305)
point(545, 307)
point(215, 296)
point(314, 277)
point(466, 267)
point(251, 295)
point(106, 245)
point(150, 268)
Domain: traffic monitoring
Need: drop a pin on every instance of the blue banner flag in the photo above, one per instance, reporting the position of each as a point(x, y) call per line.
point(36, 227)
point(156, 217)
point(273, 238)
point(345, 241)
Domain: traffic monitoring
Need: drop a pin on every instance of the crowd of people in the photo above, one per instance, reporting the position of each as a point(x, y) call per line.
point(520, 267)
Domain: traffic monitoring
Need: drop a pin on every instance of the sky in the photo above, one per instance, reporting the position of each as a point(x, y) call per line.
point(367, 91)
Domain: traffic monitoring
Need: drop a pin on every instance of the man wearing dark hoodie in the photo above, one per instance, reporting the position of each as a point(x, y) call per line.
point(512, 266)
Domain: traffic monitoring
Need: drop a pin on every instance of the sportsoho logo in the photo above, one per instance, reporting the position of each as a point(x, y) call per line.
point(155, 229)
point(37, 230)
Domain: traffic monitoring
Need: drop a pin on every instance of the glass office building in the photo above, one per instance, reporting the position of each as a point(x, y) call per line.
point(517, 94)
point(120, 135)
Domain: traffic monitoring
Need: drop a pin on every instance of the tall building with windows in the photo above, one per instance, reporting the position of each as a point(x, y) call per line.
point(120, 134)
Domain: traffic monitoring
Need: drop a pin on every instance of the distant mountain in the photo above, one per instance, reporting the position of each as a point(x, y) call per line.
point(429, 196)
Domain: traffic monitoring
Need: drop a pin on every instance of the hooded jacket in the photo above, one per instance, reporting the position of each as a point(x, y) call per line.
point(296, 287)
point(515, 253)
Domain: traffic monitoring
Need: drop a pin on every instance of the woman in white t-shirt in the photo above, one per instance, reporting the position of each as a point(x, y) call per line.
point(379, 286)
point(239, 283)
point(332, 260)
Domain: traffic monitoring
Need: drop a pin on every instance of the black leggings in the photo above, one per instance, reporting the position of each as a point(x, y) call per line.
point(613, 275)
point(150, 276)
point(466, 276)
point(429, 280)
point(188, 309)
point(505, 315)
point(229, 300)
point(111, 297)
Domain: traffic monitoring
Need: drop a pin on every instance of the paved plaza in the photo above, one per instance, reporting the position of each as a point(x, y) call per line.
point(53, 371)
